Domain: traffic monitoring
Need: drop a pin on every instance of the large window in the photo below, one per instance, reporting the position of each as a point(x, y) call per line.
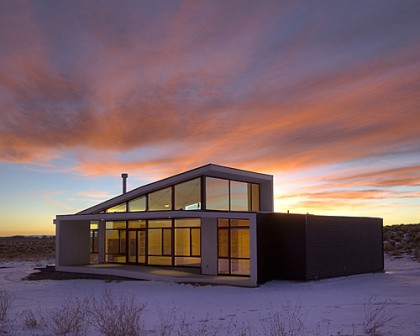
point(239, 196)
point(220, 194)
point(233, 246)
point(217, 194)
point(188, 195)
point(118, 208)
point(187, 242)
point(159, 242)
point(115, 242)
point(170, 242)
point(232, 195)
point(161, 199)
point(93, 237)
point(137, 204)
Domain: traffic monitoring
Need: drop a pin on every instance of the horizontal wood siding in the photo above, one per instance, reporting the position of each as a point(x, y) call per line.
point(339, 246)
point(281, 246)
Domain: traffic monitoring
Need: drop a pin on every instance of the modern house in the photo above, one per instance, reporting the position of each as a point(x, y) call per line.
point(213, 224)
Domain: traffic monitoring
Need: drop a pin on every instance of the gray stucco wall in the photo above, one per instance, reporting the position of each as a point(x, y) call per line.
point(72, 242)
point(209, 246)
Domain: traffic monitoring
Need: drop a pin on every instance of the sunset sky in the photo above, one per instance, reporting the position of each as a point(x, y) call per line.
point(324, 95)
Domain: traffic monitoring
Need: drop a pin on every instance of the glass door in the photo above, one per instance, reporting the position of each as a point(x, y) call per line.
point(137, 246)
point(141, 246)
point(132, 246)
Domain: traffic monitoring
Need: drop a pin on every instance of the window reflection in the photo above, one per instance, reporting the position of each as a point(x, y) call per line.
point(217, 194)
point(232, 195)
point(115, 242)
point(137, 204)
point(239, 196)
point(118, 208)
point(161, 199)
point(188, 195)
point(233, 246)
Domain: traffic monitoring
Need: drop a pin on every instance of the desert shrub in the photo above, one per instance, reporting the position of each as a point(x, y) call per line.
point(239, 329)
point(417, 239)
point(378, 318)
point(286, 322)
point(190, 327)
point(29, 319)
point(402, 239)
point(115, 315)
point(6, 301)
point(69, 319)
point(388, 246)
point(167, 320)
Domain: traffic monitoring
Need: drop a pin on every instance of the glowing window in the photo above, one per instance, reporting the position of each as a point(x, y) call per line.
point(118, 208)
point(255, 197)
point(161, 199)
point(137, 204)
point(188, 195)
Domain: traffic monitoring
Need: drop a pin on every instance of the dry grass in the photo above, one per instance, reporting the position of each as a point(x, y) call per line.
point(27, 248)
point(378, 318)
point(6, 301)
point(110, 314)
point(69, 319)
point(116, 315)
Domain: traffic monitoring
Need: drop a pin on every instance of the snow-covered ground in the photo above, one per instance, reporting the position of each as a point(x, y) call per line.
point(330, 306)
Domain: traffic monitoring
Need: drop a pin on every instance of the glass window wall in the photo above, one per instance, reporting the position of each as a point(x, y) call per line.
point(161, 200)
point(187, 235)
point(233, 246)
point(188, 195)
point(118, 208)
point(159, 242)
point(171, 242)
point(239, 196)
point(137, 204)
point(115, 242)
point(232, 195)
point(217, 194)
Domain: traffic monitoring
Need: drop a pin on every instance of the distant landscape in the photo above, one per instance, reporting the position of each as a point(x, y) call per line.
point(403, 239)
point(29, 248)
point(399, 240)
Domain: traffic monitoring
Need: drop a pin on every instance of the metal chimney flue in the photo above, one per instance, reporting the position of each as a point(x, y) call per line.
point(124, 182)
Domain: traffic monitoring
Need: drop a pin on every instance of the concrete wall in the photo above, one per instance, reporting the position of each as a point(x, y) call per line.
point(101, 241)
point(253, 246)
point(72, 242)
point(266, 196)
point(209, 246)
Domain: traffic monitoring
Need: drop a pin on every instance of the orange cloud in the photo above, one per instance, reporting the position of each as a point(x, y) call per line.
point(203, 83)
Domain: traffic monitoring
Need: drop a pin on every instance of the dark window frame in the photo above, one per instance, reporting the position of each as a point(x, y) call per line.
point(229, 258)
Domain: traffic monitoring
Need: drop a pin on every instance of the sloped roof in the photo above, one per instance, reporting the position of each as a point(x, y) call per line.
point(211, 170)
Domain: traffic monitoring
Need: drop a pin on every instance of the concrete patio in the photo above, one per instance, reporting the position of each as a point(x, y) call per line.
point(167, 274)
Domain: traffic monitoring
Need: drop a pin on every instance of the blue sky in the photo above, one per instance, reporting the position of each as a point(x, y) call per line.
point(321, 94)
